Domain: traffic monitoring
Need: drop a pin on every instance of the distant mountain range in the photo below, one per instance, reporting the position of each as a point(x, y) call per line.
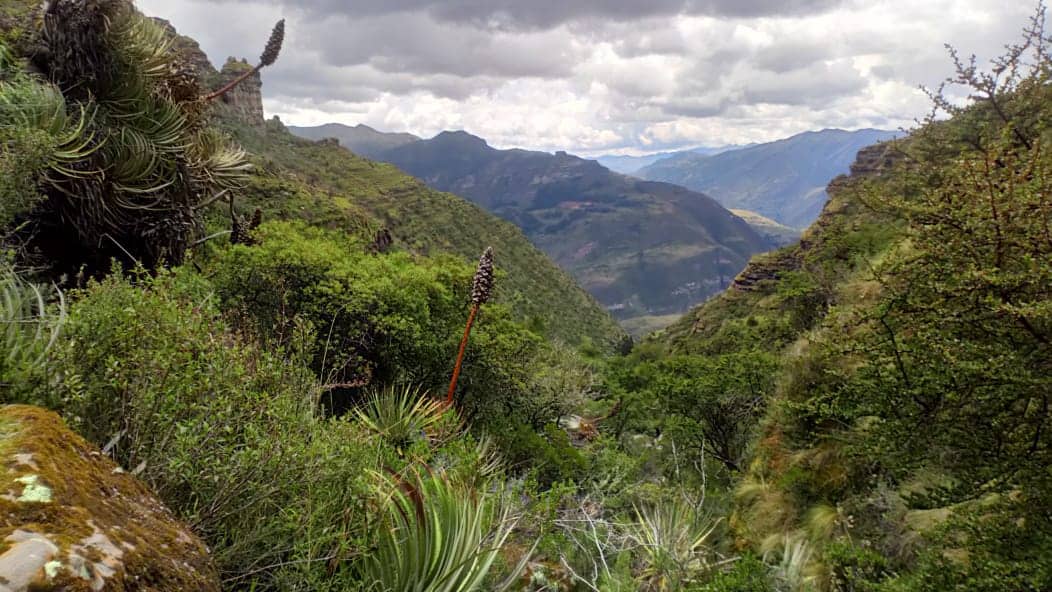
point(640, 247)
point(629, 165)
point(643, 247)
point(784, 180)
point(360, 139)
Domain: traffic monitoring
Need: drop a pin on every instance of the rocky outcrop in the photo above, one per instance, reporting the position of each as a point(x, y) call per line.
point(871, 161)
point(245, 101)
point(71, 519)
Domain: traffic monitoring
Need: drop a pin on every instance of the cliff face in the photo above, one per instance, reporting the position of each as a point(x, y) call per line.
point(246, 99)
point(244, 102)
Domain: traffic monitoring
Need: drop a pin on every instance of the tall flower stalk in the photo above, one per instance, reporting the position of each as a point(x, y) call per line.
point(481, 289)
point(270, 55)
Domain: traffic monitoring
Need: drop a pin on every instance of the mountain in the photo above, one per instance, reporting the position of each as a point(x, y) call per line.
point(783, 180)
point(640, 247)
point(327, 185)
point(360, 139)
point(630, 165)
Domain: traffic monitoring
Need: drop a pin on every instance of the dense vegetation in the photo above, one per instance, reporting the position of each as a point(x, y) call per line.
point(641, 248)
point(329, 186)
point(864, 410)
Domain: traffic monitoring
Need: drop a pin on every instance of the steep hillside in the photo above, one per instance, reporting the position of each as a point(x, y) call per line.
point(327, 185)
point(783, 180)
point(642, 248)
point(360, 139)
point(903, 441)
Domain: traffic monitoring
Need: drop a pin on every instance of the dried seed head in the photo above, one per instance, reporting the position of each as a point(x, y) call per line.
point(277, 37)
point(482, 287)
point(257, 219)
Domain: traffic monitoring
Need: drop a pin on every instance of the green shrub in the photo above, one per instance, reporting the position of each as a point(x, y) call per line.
point(550, 456)
point(748, 574)
point(226, 433)
point(390, 318)
point(378, 318)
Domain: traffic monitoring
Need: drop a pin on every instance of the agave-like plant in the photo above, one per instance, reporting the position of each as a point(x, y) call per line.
point(401, 414)
point(28, 325)
point(793, 572)
point(137, 161)
point(435, 536)
point(675, 541)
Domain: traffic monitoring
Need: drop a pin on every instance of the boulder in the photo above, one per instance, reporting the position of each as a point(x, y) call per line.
point(71, 519)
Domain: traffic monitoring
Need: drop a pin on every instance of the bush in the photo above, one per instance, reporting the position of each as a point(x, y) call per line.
point(395, 318)
point(748, 574)
point(378, 318)
point(226, 434)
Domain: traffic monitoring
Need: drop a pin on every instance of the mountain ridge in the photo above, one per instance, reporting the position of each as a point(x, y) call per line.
point(641, 247)
point(784, 180)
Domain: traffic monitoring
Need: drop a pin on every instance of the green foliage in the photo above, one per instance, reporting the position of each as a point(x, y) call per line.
point(378, 318)
point(549, 454)
point(39, 138)
point(385, 318)
point(31, 326)
point(434, 536)
point(121, 152)
point(675, 540)
point(1004, 546)
point(401, 415)
point(748, 574)
point(709, 405)
point(225, 433)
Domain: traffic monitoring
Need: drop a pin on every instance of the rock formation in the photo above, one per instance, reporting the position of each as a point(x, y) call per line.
point(245, 100)
point(71, 519)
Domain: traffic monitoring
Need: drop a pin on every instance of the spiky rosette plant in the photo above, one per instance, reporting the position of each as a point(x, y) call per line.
point(481, 290)
point(144, 162)
point(268, 57)
point(436, 536)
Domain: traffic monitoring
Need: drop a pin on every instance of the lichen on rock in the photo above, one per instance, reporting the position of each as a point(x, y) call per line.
point(71, 520)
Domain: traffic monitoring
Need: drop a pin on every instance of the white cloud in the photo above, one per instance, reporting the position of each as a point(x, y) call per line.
point(602, 75)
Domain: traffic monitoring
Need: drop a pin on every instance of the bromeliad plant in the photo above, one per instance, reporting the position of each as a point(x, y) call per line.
point(435, 536)
point(675, 539)
point(481, 290)
point(401, 415)
point(29, 327)
point(135, 160)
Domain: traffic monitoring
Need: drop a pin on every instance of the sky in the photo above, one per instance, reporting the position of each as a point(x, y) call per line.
point(602, 76)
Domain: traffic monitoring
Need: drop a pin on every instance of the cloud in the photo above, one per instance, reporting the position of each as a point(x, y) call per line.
point(602, 75)
point(545, 14)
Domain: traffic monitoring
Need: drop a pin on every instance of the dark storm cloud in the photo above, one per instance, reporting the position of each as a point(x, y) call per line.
point(543, 14)
point(415, 43)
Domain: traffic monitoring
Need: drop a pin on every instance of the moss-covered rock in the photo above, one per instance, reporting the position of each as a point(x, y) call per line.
point(71, 519)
